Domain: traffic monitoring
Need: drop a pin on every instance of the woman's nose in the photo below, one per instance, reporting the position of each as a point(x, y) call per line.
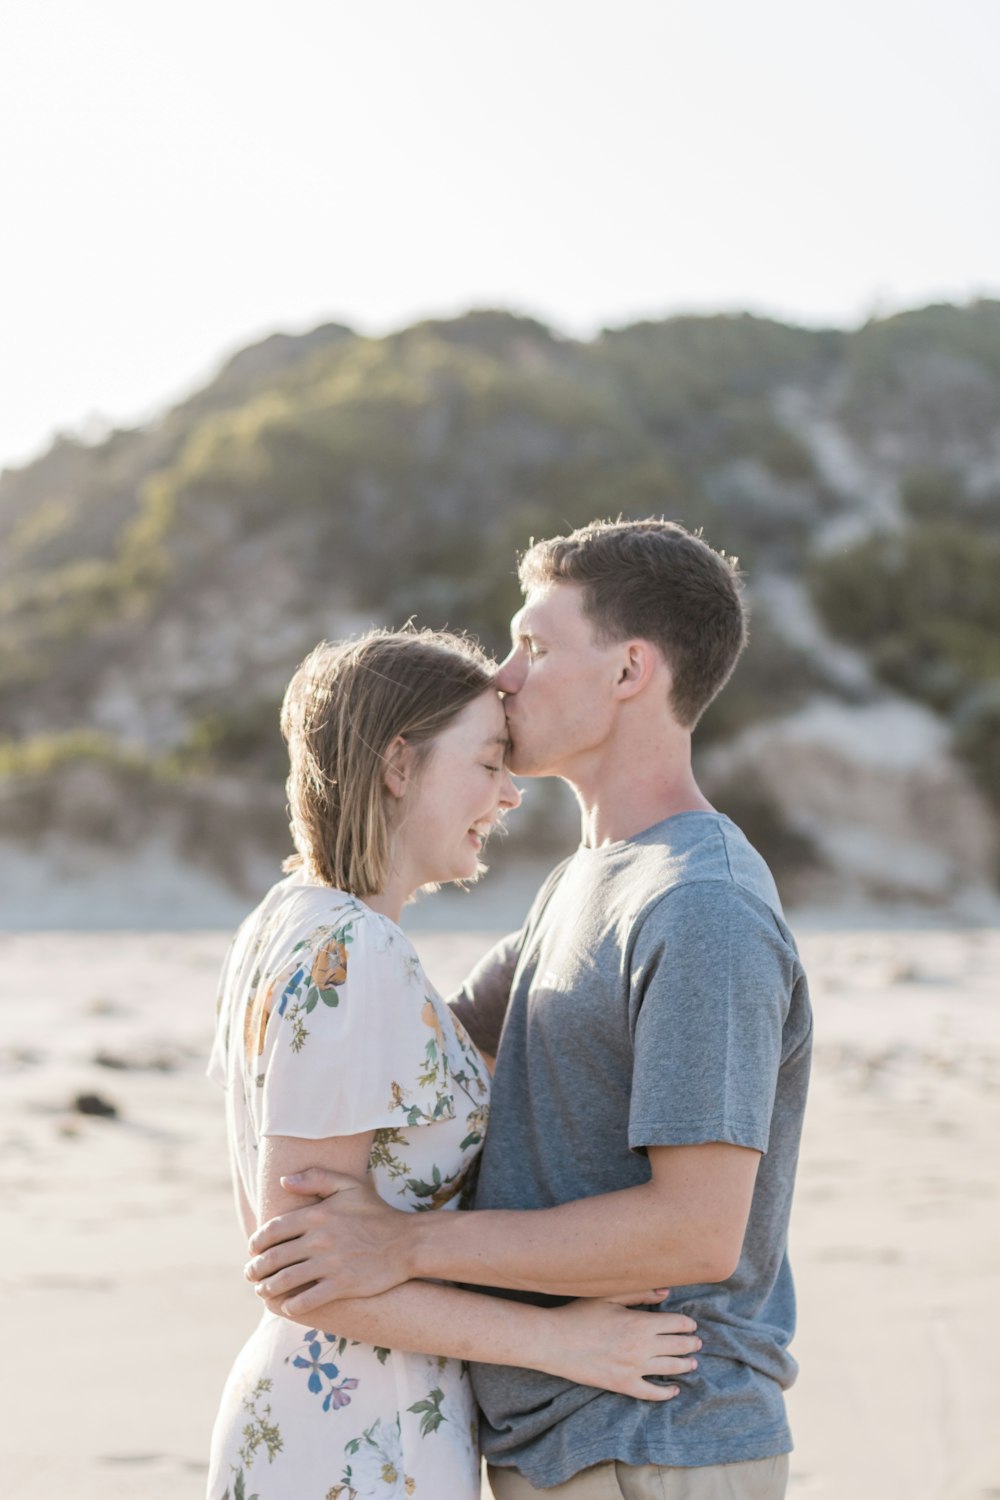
point(510, 793)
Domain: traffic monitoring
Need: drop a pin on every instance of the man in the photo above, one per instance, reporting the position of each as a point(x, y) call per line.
point(652, 1029)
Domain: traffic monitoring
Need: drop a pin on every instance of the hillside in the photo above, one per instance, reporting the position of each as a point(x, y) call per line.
point(157, 589)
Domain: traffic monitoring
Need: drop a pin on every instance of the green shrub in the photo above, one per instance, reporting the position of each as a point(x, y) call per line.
point(924, 604)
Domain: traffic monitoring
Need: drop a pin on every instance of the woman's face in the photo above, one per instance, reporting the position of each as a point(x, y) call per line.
point(456, 796)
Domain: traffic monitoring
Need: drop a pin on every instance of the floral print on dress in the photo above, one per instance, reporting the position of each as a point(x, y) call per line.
point(376, 1466)
point(323, 1372)
point(328, 1026)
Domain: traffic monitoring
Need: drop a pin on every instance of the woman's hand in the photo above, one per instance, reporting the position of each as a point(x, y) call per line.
point(609, 1343)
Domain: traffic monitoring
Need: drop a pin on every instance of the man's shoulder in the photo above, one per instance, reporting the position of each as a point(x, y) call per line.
point(694, 868)
point(710, 882)
point(703, 856)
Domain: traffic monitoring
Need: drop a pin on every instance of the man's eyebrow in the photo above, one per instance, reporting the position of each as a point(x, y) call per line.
point(522, 627)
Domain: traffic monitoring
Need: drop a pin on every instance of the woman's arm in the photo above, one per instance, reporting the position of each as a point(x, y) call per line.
point(244, 1212)
point(601, 1343)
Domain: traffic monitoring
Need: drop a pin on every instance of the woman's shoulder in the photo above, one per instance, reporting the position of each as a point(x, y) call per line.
point(332, 935)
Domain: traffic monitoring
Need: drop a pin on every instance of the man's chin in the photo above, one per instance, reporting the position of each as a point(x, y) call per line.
point(522, 765)
point(520, 761)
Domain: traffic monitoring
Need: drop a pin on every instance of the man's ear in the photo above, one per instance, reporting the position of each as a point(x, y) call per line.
point(638, 662)
point(396, 766)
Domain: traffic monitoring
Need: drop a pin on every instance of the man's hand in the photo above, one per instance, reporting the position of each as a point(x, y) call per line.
point(351, 1244)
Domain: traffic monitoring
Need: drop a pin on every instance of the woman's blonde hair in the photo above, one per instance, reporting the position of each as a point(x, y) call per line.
point(344, 706)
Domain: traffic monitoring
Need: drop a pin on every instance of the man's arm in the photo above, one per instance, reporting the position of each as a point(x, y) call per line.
point(709, 986)
point(606, 1344)
point(481, 1003)
point(686, 1225)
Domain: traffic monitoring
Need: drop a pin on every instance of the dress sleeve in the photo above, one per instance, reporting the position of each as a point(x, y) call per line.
point(218, 1059)
point(351, 1037)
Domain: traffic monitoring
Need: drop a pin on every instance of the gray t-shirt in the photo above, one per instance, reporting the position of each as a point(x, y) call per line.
point(656, 998)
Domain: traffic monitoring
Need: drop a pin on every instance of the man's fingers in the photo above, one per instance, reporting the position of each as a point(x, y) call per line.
point(307, 1300)
point(285, 1230)
point(283, 1283)
point(276, 1232)
point(314, 1182)
point(280, 1256)
point(319, 1182)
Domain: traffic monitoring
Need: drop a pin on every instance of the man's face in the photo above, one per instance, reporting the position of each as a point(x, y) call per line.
point(558, 684)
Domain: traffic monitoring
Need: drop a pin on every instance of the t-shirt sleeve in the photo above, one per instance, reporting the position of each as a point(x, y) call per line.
point(710, 984)
point(352, 1038)
point(481, 1003)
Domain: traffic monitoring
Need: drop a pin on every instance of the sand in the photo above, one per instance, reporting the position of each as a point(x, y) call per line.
point(120, 1286)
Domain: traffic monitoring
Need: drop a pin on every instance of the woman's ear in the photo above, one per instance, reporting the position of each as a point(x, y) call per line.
point(396, 764)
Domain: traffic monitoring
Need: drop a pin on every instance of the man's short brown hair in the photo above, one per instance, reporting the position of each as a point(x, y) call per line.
point(655, 581)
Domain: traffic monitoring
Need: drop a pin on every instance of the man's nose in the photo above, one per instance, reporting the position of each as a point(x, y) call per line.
point(510, 792)
point(510, 673)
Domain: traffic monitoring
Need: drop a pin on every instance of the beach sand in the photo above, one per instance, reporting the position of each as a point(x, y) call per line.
point(120, 1286)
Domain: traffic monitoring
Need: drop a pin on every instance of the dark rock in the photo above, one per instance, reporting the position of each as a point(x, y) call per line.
point(93, 1104)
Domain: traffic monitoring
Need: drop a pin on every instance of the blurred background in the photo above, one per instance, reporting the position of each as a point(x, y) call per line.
point(313, 320)
point(311, 317)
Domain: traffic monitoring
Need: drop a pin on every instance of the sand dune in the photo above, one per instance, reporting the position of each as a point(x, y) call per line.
point(120, 1279)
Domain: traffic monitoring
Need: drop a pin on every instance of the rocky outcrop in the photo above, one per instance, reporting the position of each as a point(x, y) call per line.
point(157, 588)
point(876, 793)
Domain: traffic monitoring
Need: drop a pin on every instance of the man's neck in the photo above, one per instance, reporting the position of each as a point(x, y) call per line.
point(627, 791)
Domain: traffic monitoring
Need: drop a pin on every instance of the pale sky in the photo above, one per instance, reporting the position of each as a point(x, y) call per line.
point(179, 179)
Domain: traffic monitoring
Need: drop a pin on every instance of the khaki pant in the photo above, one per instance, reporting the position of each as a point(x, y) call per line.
point(755, 1479)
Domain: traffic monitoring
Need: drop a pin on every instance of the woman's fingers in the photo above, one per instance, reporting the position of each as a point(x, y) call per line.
point(646, 1391)
point(676, 1345)
point(671, 1364)
point(637, 1299)
point(670, 1323)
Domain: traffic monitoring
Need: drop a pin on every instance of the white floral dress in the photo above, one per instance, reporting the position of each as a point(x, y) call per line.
point(327, 1026)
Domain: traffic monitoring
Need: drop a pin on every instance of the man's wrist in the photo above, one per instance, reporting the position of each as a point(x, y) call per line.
point(420, 1247)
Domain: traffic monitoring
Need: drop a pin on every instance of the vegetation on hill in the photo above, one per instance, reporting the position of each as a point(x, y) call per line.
point(157, 588)
point(926, 607)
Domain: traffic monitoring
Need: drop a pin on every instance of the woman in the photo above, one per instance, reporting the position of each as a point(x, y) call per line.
point(335, 1050)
